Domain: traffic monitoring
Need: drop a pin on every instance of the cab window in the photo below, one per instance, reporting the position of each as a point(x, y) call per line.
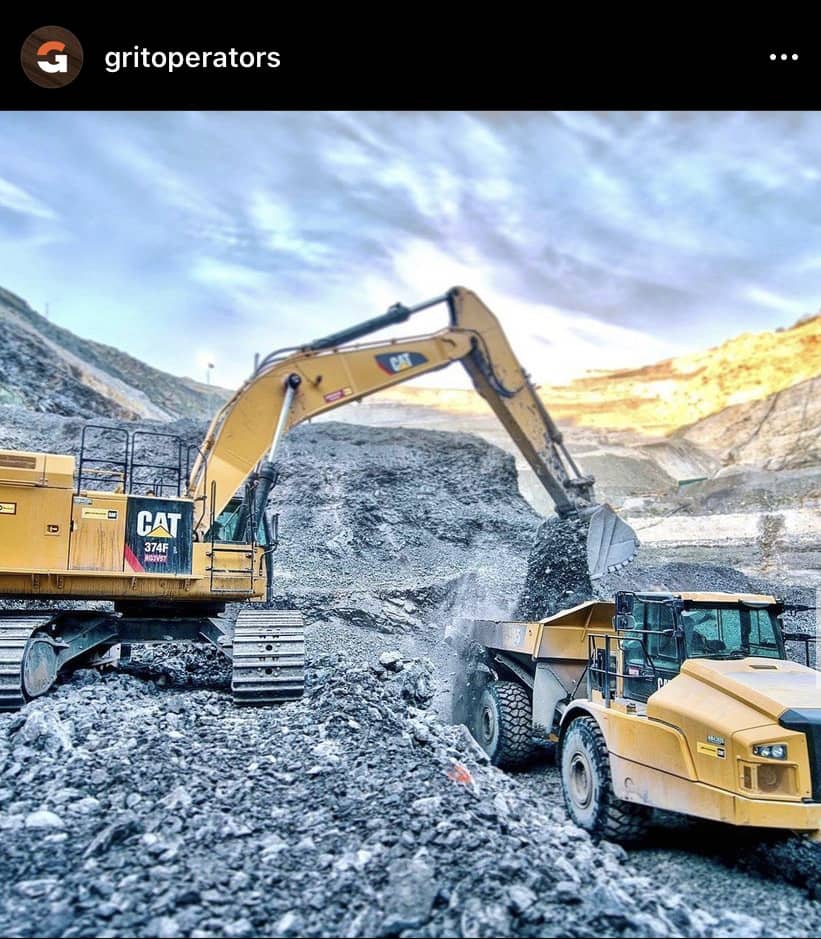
point(663, 649)
point(729, 632)
point(649, 659)
point(226, 523)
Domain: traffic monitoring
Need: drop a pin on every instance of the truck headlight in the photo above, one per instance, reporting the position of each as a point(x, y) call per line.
point(771, 751)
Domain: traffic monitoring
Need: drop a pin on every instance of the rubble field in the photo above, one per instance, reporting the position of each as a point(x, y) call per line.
point(141, 802)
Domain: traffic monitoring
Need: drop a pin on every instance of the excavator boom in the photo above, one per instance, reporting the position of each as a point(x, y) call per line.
point(297, 384)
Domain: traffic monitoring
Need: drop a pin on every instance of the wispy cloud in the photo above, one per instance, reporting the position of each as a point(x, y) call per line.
point(602, 240)
point(774, 301)
point(18, 200)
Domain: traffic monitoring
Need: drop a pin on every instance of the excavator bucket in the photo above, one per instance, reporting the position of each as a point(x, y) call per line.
point(611, 543)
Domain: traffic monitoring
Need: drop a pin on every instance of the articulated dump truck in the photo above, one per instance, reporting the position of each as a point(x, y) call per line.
point(683, 702)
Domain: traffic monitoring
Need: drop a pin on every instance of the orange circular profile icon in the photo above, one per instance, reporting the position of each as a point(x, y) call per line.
point(51, 57)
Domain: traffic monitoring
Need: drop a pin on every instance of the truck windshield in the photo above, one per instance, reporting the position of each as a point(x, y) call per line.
point(729, 632)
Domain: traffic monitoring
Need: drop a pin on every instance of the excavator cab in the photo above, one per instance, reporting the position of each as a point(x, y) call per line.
point(227, 524)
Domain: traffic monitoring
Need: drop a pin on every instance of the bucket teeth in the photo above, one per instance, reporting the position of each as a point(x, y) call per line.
point(268, 656)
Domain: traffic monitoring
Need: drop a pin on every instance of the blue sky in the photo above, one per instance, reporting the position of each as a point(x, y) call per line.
point(600, 240)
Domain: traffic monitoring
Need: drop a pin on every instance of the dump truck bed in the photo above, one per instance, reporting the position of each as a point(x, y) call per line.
point(562, 636)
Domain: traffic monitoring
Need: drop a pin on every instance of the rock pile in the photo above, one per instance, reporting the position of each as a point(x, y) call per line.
point(127, 808)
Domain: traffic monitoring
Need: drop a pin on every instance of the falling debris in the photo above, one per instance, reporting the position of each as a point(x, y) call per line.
point(557, 573)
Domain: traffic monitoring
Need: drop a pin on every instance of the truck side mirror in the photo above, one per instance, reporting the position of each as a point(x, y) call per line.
point(625, 602)
point(624, 621)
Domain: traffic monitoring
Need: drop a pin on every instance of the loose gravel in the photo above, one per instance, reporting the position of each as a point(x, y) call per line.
point(143, 803)
point(131, 806)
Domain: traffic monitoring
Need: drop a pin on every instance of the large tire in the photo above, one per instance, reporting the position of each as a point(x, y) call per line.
point(588, 786)
point(503, 724)
point(469, 681)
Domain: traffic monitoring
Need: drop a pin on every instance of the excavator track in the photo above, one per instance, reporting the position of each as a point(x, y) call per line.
point(268, 656)
point(15, 634)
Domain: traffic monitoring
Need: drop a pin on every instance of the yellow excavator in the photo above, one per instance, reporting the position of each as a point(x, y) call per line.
point(171, 539)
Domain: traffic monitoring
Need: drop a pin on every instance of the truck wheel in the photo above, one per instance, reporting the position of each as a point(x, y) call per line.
point(469, 681)
point(588, 787)
point(504, 724)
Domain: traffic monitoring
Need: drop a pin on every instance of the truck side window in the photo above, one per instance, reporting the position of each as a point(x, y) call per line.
point(650, 659)
point(637, 685)
point(663, 649)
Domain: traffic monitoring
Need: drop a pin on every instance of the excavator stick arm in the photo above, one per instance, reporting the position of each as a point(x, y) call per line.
point(500, 378)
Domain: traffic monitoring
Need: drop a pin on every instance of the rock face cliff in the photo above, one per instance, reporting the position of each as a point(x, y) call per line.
point(752, 401)
point(668, 395)
point(49, 369)
point(781, 431)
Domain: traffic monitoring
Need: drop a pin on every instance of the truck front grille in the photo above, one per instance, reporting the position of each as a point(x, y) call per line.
point(808, 722)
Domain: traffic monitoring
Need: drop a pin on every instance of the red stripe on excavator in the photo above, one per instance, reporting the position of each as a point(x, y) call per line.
point(132, 561)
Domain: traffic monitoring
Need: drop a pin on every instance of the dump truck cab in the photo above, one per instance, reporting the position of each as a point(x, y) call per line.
point(685, 702)
point(660, 632)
